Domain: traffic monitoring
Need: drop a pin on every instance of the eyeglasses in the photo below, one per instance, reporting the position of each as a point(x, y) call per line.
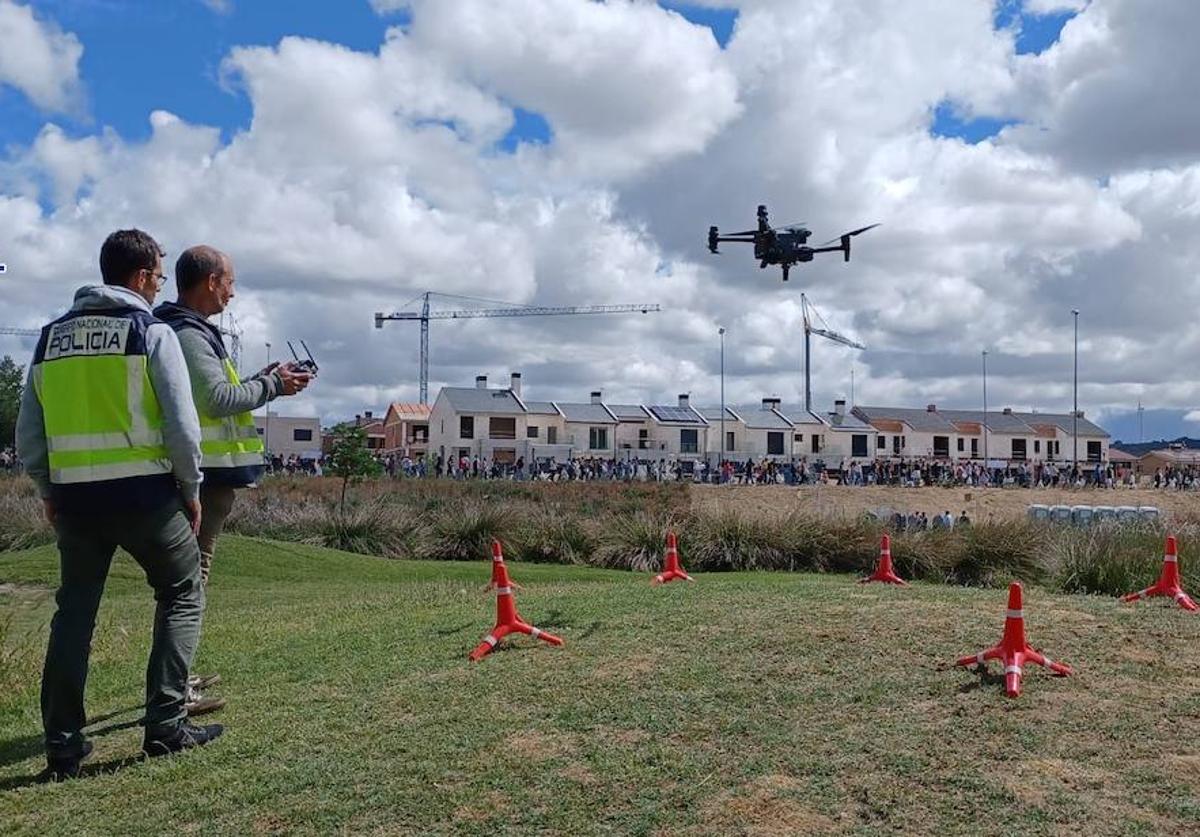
point(159, 280)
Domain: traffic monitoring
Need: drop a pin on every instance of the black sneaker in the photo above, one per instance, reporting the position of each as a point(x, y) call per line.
point(59, 767)
point(185, 737)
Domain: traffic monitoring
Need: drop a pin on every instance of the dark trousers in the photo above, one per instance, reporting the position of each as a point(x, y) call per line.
point(163, 544)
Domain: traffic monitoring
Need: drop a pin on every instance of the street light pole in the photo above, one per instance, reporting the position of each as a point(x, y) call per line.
point(721, 443)
point(1075, 399)
point(985, 424)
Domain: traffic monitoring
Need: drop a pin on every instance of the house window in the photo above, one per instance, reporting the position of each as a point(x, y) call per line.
point(881, 443)
point(552, 435)
point(730, 441)
point(1093, 451)
point(897, 444)
point(466, 427)
point(775, 444)
point(1018, 448)
point(299, 435)
point(974, 447)
point(531, 432)
point(643, 438)
point(816, 443)
point(688, 440)
point(1037, 446)
point(858, 444)
point(941, 446)
point(597, 438)
point(960, 444)
point(502, 428)
point(799, 437)
point(260, 430)
point(1057, 449)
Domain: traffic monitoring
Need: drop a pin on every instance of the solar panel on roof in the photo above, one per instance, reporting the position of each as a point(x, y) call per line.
point(681, 414)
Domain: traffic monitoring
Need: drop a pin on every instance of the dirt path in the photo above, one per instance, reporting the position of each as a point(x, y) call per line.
point(999, 503)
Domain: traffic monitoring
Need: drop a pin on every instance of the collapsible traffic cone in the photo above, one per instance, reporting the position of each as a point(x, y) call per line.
point(1168, 582)
point(671, 569)
point(1013, 649)
point(883, 570)
point(507, 619)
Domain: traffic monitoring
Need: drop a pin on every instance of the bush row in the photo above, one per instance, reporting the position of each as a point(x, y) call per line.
point(625, 526)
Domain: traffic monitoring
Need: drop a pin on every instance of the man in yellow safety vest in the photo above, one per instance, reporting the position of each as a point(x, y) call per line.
point(232, 450)
point(108, 432)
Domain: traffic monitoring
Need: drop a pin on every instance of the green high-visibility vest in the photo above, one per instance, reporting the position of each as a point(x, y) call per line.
point(101, 414)
point(229, 441)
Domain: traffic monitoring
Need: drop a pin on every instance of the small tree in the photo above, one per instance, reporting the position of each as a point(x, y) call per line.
point(11, 384)
point(350, 459)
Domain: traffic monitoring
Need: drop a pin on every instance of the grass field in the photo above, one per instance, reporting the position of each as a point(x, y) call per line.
point(751, 703)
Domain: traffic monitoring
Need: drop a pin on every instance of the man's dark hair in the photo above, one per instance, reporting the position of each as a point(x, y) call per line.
point(196, 264)
point(125, 252)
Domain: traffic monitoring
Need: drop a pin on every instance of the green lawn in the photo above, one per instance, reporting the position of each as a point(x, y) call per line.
point(743, 703)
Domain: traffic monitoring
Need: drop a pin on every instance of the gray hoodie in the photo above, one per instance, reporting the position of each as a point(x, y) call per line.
point(168, 375)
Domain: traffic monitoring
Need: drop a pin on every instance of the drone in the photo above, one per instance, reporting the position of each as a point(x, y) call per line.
point(784, 246)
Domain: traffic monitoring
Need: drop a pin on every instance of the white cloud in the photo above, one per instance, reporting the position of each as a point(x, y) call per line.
point(39, 59)
point(221, 7)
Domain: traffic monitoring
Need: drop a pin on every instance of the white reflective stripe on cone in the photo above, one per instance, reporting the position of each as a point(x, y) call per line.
point(1170, 557)
point(1012, 669)
point(115, 471)
point(1180, 595)
point(103, 441)
point(979, 657)
point(534, 632)
point(490, 640)
point(1015, 614)
point(1046, 661)
point(503, 591)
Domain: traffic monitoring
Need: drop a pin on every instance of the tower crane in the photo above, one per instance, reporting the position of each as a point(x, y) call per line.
point(810, 312)
point(425, 315)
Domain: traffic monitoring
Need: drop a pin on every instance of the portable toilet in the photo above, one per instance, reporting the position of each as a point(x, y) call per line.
point(1082, 515)
point(1148, 514)
point(1104, 513)
point(1060, 514)
point(1038, 512)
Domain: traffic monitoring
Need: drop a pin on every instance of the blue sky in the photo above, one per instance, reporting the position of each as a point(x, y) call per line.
point(140, 56)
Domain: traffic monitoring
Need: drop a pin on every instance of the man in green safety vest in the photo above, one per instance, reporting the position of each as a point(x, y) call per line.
point(232, 450)
point(108, 432)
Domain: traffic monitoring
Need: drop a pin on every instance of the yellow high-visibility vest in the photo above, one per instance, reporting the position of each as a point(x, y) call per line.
point(229, 441)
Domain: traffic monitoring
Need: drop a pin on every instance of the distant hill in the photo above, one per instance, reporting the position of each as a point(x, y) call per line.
point(1143, 448)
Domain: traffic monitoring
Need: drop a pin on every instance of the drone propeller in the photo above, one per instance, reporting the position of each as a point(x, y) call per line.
point(850, 234)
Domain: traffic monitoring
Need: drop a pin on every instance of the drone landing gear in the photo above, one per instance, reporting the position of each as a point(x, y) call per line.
point(786, 267)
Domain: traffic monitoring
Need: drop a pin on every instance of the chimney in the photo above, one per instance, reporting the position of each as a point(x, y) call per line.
point(1007, 411)
point(596, 396)
point(770, 403)
point(1079, 413)
point(931, 408)
point(515, 386)
point(481, 382)
point(683, 399)
point(367, 414)
point(839, 406)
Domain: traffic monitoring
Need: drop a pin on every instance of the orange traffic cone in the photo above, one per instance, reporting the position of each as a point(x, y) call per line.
point(671, 569)
point(883, 570)
point(1168, 583)
point(1013, 649)
point(507, 619)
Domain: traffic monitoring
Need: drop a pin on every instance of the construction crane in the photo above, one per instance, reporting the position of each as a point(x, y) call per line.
point(425, 315)
point(823, 331)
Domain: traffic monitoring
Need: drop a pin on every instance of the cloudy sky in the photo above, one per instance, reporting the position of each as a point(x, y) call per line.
point(1024, 157)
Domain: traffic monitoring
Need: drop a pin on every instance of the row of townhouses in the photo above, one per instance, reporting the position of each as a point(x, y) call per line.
point(502, 425)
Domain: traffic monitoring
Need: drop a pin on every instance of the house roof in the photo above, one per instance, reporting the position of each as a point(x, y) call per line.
point(674, 414)
point(476, 400)
point(541, 408)
point(1063, 422)
point(713, 414)
point(1118, 455)
point(628, 412)
point(409, 411)
point(998, 421)
point(845, 422)
point(796, 414)
point(589, 413)
point(1180, 456)
point(756, 418)
point(919, 420)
